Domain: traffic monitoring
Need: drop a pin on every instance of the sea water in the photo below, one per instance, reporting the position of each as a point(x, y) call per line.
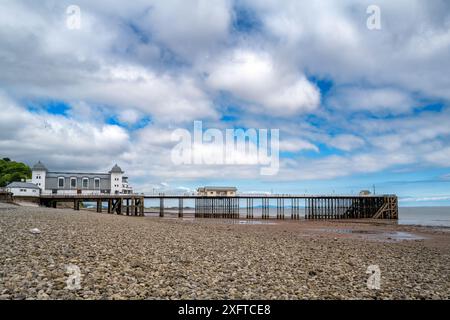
point(425, 216)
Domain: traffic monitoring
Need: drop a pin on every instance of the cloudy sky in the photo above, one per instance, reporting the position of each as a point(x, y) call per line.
point(355, 107)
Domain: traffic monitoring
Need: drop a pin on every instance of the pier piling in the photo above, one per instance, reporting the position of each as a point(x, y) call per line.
point(316, 207)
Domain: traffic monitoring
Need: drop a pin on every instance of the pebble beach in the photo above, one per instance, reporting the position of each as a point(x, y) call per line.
point(122, 257)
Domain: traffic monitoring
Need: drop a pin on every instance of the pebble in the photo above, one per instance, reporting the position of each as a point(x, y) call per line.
point(35, 231)
point(123, 257)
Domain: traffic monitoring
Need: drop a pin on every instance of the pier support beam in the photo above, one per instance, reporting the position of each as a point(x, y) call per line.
point(249, 208)
point(141, 206)
point(180, 208)
point(161, 207)
point(265, 208)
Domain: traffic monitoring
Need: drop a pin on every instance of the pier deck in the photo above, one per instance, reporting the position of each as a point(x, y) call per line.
point(315, 206)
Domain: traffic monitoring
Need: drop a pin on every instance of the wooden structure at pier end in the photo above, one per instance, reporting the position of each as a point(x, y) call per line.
point(243, 206)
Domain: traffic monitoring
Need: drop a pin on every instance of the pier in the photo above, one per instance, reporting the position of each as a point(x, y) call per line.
point(285, 206)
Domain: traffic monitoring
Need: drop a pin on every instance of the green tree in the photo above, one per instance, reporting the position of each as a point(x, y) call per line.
point(11, 171)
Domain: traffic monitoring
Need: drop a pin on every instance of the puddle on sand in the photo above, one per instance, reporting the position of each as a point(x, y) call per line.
point(212, 220)
point(252, 222)
point(238, 222)
point(377, 235)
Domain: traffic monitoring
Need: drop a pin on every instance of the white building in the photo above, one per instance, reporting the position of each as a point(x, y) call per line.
point(217, 191)
point(23, 189)
point(58, 182)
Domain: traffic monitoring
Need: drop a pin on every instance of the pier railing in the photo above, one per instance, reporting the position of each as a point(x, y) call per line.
point(287, 205)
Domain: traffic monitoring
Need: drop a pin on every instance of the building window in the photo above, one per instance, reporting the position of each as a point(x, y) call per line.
point(73, 182)
point(61, 182)
point(97, 183)
point(85, 183)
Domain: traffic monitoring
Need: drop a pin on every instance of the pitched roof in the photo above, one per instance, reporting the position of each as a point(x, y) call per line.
point(18, 184)
point(218, 188)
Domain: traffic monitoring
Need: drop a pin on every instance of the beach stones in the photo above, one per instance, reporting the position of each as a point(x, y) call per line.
point(150, 258)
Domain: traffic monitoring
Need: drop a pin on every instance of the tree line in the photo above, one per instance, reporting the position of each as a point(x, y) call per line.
point(11, 171)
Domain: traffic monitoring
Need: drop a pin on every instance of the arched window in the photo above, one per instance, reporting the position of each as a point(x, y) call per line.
point(85, 183)
point(61, 182)
point(96, 183)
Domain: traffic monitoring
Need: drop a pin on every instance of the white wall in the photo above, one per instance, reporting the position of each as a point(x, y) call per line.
point(116, 182)
point(24, 192)
point(71, 192)
point(38, 178)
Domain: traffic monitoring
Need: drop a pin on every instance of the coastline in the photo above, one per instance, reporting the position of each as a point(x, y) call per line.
point(151, 258)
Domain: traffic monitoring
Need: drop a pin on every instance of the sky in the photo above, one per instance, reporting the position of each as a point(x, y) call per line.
point(110, 81)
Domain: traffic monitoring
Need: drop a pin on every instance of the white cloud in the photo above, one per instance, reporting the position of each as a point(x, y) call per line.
point(440, 157)
point(295, 145)
point(166, 97)
point(346, 142)
point(256, 78)
point(330, 39)
point(58, 140)
point(422, 199)
point(170, 61)
point(380, 100)
point(189, 27)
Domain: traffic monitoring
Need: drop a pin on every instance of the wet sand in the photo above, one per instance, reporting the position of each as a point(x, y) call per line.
point(152, 258)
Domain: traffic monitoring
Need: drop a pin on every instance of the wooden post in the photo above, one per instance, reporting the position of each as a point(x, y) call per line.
point(133, 206)
point(292, 209)
point(307, 208)
point(120, 206)
point(314, 212)
point(266, 209)
point(141, 206)
point(248, 208)
point(180, 208)
point(161, 207)
point(99, 205)
point(263, 208)
point(195, 207)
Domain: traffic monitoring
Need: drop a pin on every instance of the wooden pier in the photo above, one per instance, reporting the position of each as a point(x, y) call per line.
point(287, 206)
point(130, 205)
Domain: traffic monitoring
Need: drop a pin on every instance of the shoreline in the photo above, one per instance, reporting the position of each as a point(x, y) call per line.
point(122, 257)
